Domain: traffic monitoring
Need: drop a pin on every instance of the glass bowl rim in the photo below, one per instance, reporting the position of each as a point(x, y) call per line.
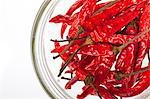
point(33, 34)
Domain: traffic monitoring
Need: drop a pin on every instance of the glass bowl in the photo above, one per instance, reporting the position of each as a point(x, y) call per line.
point(46, 68)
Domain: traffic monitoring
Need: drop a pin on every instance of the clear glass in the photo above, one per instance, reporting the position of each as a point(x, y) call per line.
point(46, 68)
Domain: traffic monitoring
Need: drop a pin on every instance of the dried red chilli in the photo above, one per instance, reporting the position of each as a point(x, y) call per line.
point(101, 65)
point(142, 84)
point(74, 29)
point(108, 13)
point(143, 45)
point(66, 20)
point(83, 62)
point(132, 28)
point(86, 11)
point(71, 82)
point(104, 92)
point(112, 26)
point(82, 16)
point(126, 60)
point(73, 7)
point(93, 46)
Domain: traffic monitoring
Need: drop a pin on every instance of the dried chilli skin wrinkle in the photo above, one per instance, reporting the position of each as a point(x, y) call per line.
point(73, 7)
point(127, 57)
point(143, 45)
point(102, 35)
point(142, 84)
point(112, 26)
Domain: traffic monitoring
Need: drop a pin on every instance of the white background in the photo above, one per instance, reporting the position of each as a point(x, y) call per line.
point(17, 77)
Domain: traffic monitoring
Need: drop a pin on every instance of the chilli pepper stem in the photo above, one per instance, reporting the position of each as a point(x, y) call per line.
point(69, 45)
point(106, 6)
point(68, 61)
point(87, 42)
point(116, 50)
point(89, 80)
point(94, 86)
point(59, 40)
point(136, 37)
point(66, 40)
point(120, 75)
point(71, 75)
point(65, 78)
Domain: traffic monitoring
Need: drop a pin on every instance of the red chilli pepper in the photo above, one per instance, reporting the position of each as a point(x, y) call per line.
point(71, 82)
point(111, 79)
point(143, 84)
point(105, 93)
point(64, 25)
point(108, 13)
point(114, 25)
point(97, 34)
point(75, 6)
point(85, 12)
point(59, 49)
point(101, 65)
point(127, 57)
point(126, 61)
point(143, 45)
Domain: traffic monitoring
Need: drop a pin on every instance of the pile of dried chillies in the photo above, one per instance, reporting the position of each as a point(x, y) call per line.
point(101, 34)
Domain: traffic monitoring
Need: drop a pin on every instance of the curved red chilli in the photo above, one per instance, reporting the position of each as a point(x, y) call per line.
point(75, 6)
point(90, 90)
point(85, 12)
point(143, 45)
point(107, 13)
point(114, 25)
point(127, 57)
point(71, 82)
point(143, 84)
